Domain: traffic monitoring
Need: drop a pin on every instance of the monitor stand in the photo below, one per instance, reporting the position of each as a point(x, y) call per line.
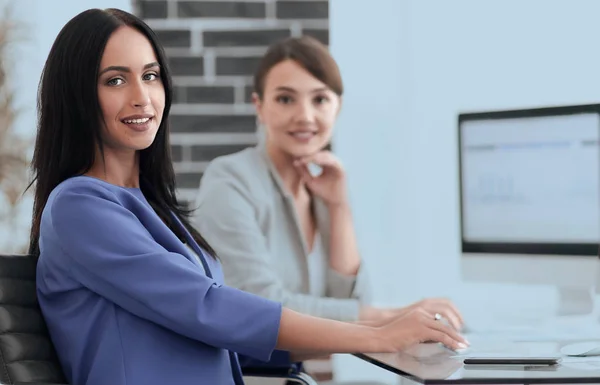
point(575, 301)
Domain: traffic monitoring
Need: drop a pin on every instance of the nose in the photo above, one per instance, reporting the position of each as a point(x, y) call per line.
point(305, 112)
point(140, 97)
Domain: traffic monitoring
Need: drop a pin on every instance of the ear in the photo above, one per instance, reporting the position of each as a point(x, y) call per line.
point(257, 105)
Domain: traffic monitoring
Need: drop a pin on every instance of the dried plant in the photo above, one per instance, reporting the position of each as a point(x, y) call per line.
point(14, 161)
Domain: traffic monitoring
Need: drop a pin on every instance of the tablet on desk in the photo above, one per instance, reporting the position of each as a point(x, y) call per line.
point(512, 360)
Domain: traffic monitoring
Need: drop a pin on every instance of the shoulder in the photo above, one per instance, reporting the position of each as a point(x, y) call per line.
point(245, 171)
point(246, 164)
point(79, 186)
point(83, 185)
point(233, 184)
point(84, 195)
point(74, 205)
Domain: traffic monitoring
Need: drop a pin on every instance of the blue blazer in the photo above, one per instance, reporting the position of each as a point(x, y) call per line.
point(127, 303)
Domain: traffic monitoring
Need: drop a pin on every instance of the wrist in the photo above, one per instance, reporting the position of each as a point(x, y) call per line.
point(338, 206)
point(380, 340)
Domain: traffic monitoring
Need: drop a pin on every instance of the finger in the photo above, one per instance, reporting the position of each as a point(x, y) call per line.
point(322, 158)
point(452, 318)
point(441, 327)
point(446, 312)
point(455, 311)
point(304, 173)
point(449, 310)
point(446, 340)
point(454, 321)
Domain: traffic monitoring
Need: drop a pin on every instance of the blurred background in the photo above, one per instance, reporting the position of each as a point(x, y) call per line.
point(410, 67)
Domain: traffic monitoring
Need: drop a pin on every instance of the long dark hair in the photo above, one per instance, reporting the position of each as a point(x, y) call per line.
point(69, 119)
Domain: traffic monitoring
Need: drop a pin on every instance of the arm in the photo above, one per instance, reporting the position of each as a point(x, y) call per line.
point(311, 336)
point(226, 217)
point(112, 254)
point(298, 356)
point(344, 257)
point(305, 334)
point(284, 359)
point(346, 276)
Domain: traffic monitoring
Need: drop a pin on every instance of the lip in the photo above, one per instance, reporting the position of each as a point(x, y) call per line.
point(139, 116)
point(303, 136)
point(139, 127)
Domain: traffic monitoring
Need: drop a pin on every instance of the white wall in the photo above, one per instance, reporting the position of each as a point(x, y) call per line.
point(41, 21)
point(410, 66)
point(44, 19)
point(474, 55)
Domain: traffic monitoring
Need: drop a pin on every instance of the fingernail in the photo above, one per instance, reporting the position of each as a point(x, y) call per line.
point(461, 345)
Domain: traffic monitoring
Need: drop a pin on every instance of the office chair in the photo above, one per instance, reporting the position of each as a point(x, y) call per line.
point(27, 356)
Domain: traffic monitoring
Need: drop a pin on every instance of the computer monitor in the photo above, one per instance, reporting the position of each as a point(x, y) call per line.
point(530, 199)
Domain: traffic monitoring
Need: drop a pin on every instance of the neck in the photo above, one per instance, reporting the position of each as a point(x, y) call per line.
point(284, 164)
point(118, 168)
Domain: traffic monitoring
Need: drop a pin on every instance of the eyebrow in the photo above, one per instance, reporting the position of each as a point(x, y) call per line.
point(289, 89)
point(127, 69)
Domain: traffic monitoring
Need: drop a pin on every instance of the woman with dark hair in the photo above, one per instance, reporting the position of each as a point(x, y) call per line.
point(131, 293)
point(281, 231)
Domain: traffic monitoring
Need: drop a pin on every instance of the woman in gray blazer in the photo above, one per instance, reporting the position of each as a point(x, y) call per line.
point(278, 213)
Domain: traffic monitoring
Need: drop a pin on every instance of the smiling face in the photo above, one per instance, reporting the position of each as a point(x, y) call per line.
point(130, 92)
point(297, 110)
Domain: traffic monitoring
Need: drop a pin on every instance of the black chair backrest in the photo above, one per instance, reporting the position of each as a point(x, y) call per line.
point(26, 351)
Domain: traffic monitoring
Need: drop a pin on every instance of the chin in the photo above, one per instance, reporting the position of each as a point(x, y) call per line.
point(143, 144)
point(301, 152)
point(303, 149)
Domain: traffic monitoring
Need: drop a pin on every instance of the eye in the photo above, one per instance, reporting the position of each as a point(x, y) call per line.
point(150, 76)
point(284, 99)
point(321, 99)
point(115, 82)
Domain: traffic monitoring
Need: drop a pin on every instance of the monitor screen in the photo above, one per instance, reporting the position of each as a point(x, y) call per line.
point(530, 179)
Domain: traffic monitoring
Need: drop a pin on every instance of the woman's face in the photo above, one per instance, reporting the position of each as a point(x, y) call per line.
point(297, 110)
point(130, 91)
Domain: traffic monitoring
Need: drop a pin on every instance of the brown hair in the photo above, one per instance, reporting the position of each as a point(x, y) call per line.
point(307, 51)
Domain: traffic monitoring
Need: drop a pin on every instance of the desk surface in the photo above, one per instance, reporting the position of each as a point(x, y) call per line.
point(434, 364)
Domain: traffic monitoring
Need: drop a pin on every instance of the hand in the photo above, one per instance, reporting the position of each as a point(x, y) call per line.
point(431, 305)
point(330, 185)
point(440, 305)
point(418, 326)
point(381, 316)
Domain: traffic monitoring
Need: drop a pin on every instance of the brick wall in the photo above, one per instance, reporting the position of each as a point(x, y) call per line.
point(213, 48)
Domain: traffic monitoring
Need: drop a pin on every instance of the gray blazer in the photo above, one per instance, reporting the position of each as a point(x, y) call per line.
point(246, 215)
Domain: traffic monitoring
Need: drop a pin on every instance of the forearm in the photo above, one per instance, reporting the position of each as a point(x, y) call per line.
point(375, 323)
point(303, 334)
point(344, 257)
point(298, 356)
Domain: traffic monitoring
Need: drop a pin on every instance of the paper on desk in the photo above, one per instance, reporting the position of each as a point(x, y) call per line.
point(552, 330)
point(507, 350)
point(582, 363)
